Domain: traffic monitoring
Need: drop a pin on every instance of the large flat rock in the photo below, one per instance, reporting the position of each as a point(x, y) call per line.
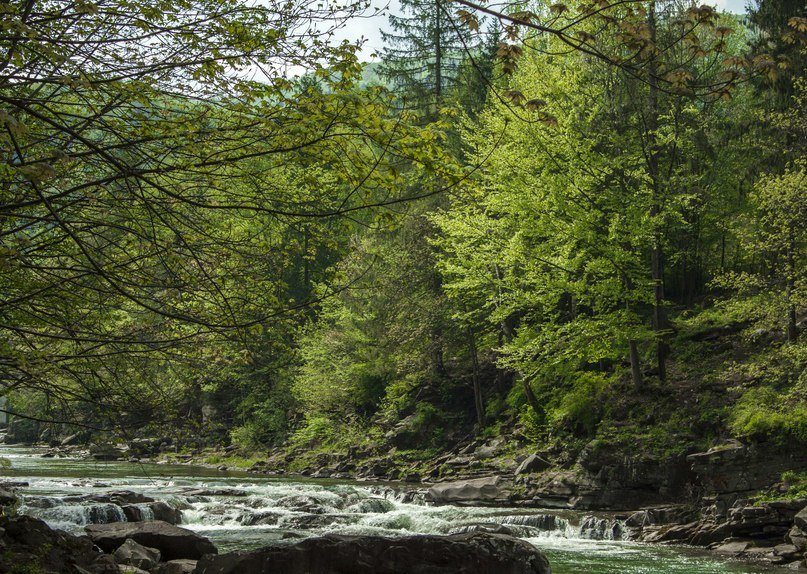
point(470, 553)
point(489, 489)
point(173, 542)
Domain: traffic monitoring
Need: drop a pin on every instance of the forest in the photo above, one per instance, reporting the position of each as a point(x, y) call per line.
point(525, 255)
point(575, 231)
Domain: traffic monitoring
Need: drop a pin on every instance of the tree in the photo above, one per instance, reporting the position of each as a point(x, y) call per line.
point(424, 53)
point(154, 155)
point(780, 43)
point(782, 234)
point(591, 174)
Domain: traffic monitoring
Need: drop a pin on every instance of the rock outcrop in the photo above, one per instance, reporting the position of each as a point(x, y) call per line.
point(172, 541)
point(473, 553)
point(29, 542)
point(734, 470)
point(133, 554)
point(763, 532)
point(473, 492)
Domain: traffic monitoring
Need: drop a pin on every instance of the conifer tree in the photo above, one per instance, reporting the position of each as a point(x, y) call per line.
point(424, 53)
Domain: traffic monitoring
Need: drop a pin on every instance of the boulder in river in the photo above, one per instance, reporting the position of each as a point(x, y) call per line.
point(469, 492)
point(29, 543)
point(7, 497)
point(175, 567)
point(133, 554)
point(800, 519)
point(172, 541)
point(165, 512)
point(105, 452)
point(473, 553)
point(124, 497)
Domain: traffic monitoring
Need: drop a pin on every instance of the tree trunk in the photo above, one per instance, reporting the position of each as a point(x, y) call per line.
point(635, 366)
point(478, 403)
point(532, 400)
point(438, 364)
point(792, 327)
point(660, 322)
point(438, 53)
point(633, 346)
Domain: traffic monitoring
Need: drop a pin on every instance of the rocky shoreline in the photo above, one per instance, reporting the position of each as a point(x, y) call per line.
point(705, 499)
point(155, 547)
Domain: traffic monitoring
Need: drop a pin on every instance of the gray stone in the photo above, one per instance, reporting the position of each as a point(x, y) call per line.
point(175, 567)
point(490, 449)
point(532, 463)
point(732, 548)
point(800, 519)
point(134, 554)
point(105, 452)
point(477, 490)
point(7, 497)
point(797, 537)
point(30, 545)
point(786, 550)
point(172, 541)
point(474, 553)
point(71, 439)
point(166, 513)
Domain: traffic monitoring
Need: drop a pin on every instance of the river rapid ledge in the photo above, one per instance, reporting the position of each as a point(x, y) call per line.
point(240, 512)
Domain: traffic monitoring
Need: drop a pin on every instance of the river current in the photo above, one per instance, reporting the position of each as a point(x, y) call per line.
point(240, 511)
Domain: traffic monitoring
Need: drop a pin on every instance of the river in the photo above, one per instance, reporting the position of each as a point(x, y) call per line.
point(239, 511)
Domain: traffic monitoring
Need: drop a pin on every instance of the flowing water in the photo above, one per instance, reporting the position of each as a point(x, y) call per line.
point(239, 511)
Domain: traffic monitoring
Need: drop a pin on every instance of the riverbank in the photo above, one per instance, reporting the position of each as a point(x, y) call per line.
point(730, 499)
point(240, 511)
point(30, 545)
point(729, 525)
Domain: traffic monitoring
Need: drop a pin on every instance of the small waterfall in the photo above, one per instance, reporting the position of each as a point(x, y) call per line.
point(546, 522)
point(540, 526)
point(73, 516)
point(105, 513)
point(144, 511)
point(487, 528)
point(371, 505)
point(595, 528)
point(418, 497)
point(544, 525)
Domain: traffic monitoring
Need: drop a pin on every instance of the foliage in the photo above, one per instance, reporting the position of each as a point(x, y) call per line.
point(793, 487)
point(587, 226)
point(763, 414)
point(159, 203)
point(423, 54)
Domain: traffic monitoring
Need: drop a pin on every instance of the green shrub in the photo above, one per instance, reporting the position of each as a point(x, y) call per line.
point(764, 414)
point(794, 486)
point(316, 430)
point(579, 408)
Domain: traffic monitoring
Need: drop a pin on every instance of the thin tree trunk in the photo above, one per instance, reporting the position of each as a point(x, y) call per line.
point(532, 400)
point(660, 322)
point(633, 346)
point(438, 52)
point(438, 363)
point(635, 366)
point(478, 403)
point(792, 327)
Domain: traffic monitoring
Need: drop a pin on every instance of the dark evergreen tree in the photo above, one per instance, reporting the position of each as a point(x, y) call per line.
point(424, 53)
point(781, 27)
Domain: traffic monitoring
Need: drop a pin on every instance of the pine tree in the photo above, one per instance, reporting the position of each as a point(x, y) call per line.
point(424, 53)
point(781, 28)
